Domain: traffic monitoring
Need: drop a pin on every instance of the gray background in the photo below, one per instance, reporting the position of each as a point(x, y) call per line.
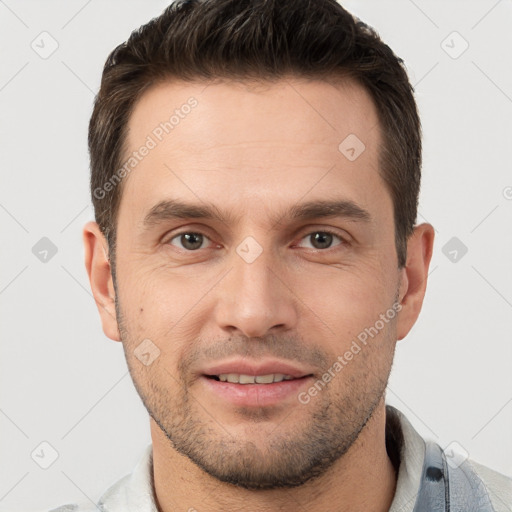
point(63, 382)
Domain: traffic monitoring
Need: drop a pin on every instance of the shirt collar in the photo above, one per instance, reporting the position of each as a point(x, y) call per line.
point(411, 447)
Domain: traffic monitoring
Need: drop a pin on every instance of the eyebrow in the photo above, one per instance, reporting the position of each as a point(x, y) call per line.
point(172, 209)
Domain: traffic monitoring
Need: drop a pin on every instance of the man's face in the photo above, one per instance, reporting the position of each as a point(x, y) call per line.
point(267, 286)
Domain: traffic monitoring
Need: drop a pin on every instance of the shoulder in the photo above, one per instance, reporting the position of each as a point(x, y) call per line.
point(115, 498)
point(135, 488)
point(499, 486)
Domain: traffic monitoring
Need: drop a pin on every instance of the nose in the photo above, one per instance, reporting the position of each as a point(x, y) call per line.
point(255, 297)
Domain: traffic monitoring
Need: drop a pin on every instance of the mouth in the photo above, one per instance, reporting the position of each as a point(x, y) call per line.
point(240, 378)
point(243, 383)
point(245, 371)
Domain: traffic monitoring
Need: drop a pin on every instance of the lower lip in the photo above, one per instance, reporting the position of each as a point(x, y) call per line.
point(256, 395)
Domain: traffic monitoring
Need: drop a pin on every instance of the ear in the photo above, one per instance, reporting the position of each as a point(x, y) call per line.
point(98, 267)
point(414, 277)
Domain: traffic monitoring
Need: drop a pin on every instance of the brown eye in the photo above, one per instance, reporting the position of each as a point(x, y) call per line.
point(322, 239)
point(189, 241)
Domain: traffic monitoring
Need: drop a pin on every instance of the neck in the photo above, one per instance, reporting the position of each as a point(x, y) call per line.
point(363, 479)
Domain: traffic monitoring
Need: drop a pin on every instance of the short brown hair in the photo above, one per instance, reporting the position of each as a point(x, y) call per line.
point(257, 40)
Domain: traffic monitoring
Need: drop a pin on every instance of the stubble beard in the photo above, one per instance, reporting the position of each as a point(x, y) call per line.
point(290, 455)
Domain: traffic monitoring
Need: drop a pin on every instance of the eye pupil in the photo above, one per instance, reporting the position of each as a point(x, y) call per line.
point(321, 240)
point(192, 241)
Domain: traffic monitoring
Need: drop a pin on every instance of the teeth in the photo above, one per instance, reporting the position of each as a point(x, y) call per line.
point(238, 378)
point(247, 379)
point(265, 379)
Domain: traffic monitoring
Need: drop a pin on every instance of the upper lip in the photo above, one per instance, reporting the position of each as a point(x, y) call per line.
point(246, 367)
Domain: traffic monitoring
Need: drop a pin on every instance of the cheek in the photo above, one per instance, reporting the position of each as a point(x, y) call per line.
point(352, 305)
point(145, 289)
point(162, 305)
point(346, 300)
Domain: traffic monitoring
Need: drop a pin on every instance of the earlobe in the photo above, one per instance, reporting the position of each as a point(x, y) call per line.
point(414, 277)
point(98, 268)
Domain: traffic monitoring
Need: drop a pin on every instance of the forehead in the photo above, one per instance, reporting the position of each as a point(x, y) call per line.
point(256, 140)
point(311, 110)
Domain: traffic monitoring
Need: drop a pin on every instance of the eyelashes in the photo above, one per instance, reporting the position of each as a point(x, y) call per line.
point(192, 241)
